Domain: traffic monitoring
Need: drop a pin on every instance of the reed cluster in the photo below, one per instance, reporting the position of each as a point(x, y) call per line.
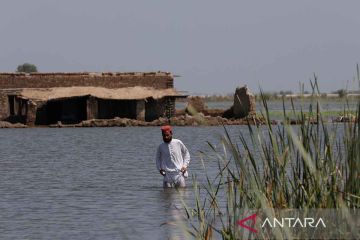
point(307, 166)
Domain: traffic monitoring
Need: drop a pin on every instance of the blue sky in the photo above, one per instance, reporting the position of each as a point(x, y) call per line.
point(214, 45)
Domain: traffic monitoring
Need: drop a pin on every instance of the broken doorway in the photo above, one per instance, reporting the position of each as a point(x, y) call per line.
point(67, 111)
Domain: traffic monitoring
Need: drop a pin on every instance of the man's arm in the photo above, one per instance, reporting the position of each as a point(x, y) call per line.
point(185, 154)
point(158, 158)
point(158, 161)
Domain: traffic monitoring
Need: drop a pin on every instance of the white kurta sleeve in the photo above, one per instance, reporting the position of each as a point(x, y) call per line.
point(185, 154)
point(158, 159)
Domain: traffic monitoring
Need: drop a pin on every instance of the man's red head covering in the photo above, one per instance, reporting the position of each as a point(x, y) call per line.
point(166, 129)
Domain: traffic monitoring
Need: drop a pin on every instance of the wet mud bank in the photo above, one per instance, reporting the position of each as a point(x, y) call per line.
point(185, 120)
point(4, 124)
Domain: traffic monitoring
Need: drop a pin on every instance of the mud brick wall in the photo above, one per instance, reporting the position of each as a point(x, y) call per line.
point(31, 114)
point(4, 102)
point(158, 80)
point(4, 105)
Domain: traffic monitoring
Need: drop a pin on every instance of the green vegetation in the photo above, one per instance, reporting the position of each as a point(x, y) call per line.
point(342, 93)
point(27, 68)
point(279, 167)
point(327, 115)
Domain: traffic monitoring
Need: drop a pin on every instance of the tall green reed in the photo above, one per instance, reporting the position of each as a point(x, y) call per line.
point(308, 166)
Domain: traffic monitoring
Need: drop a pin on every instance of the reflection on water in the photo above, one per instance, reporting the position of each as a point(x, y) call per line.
point(174, 212)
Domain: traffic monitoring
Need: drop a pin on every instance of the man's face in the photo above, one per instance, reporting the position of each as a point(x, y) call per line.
point(167, 136)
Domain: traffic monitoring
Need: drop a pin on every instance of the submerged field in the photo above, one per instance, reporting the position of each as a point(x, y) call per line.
point(331, 108)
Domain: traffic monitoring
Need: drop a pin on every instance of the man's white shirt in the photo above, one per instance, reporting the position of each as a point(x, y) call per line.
point(172, 156)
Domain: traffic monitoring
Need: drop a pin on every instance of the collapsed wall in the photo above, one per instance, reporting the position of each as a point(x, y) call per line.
point(244, 102)
point(244, 105)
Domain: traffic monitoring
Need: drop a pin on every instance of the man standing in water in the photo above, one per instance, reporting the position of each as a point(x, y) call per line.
point(172, 159)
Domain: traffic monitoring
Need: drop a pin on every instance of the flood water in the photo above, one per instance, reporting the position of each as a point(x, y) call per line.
point(93, 183)
point(98, 183)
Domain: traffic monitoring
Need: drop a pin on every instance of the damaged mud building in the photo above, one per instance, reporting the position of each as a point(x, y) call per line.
point(48, 98)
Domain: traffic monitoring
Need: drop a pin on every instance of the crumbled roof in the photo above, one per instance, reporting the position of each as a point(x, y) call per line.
point(129, 93)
